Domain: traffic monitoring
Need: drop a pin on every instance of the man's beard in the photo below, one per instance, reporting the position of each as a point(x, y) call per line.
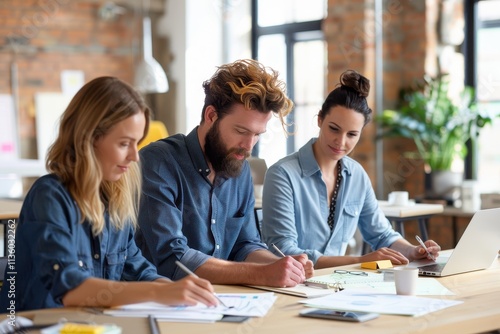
point(220, 157)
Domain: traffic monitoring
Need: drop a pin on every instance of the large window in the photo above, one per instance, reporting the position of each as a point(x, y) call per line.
point(487, 81)
point(287, 36)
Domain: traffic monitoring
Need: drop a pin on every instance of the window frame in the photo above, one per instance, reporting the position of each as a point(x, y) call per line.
point(293, 33)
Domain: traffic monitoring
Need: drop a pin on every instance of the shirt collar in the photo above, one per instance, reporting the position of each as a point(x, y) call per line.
point(308, 162)
point(196, 153)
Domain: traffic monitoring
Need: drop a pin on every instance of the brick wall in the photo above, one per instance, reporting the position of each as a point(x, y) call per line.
point(408, 44)
point(409, 49)
point(44, 37)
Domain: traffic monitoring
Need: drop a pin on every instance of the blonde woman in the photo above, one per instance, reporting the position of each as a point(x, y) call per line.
point(74, 240)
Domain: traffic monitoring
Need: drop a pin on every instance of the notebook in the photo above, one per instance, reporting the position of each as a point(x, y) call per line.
point(476, 250)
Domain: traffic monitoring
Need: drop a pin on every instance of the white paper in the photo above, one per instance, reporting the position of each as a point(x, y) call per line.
point(238, 304)
point(363, 301)
point(425, 287)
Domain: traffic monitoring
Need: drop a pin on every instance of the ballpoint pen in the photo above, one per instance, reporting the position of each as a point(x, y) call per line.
point(425, 247)
point(189, 272)
point(278, 250)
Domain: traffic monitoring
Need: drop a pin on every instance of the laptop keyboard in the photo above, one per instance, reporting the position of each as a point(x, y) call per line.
point(432, 267)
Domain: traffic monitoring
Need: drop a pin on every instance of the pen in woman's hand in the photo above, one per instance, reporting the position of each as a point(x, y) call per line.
point(425, 247)
point(189, 272)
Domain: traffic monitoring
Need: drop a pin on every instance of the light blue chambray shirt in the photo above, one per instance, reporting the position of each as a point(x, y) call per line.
point(295, 211)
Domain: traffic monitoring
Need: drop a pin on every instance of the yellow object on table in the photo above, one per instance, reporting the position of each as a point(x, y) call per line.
point(73, 328)
point(382, 264)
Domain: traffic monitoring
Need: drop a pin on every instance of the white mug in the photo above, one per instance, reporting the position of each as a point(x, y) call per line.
point(398, 198)
point(406, 279)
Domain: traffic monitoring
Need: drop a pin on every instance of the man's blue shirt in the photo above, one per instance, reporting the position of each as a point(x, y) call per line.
point(55, 253)
point(295, 210)
point(184, 217)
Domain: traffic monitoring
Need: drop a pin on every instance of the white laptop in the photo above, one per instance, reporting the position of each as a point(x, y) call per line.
point(477, 249)
point(258, 168)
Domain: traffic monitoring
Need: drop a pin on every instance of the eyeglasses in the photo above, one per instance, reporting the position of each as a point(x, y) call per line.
point(353, 272)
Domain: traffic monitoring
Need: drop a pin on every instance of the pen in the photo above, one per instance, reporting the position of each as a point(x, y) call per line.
point(316, 284)
point(153, 325)
point(425, 247)
point(278, 250)
point(189, 272)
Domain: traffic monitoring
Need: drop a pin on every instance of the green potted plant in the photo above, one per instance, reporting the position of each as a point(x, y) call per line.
point(439, 125)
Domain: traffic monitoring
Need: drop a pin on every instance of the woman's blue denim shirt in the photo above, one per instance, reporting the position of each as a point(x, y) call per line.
point(55, 253)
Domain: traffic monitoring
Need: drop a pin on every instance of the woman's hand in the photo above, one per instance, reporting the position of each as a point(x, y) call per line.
point(187, 291)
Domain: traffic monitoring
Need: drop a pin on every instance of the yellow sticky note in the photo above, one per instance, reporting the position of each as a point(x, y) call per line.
point(382, 264)
point(74, 328)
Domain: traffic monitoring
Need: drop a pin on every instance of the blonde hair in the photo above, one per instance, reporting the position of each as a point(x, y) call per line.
point(94, 110)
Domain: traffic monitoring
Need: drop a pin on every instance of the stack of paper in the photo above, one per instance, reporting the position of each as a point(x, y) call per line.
point(238, 304)
point(363, 301)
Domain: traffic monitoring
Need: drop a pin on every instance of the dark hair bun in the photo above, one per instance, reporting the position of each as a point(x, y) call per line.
point(355, 81)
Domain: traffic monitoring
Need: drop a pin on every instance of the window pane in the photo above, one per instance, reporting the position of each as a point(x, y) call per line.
point(489, 157)
point(277, 12)
point(272, 53)
point(488, 93)
point(310, 74)
point(488, 10)
point(488, 69)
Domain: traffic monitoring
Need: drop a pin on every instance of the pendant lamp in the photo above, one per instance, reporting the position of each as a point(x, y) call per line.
point(149, 75)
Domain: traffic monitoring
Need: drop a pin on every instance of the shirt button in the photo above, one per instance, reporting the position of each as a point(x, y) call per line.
point(217, 246)
point(80, 263)
point(56, 267)
point(213, 221)
point(96, 256)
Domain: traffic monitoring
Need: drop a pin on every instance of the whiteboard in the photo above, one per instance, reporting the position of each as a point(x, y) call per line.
point(48, 107)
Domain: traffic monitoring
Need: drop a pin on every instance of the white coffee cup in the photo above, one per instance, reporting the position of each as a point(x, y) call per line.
point(406, 279)
point(398, 198)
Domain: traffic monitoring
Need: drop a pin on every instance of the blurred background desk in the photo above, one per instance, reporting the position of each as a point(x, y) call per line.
point(419, 212)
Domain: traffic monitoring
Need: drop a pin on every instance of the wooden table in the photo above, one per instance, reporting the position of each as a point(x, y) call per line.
point(480, 312)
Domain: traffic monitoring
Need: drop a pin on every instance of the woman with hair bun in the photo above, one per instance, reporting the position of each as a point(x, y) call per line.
point(315, 198)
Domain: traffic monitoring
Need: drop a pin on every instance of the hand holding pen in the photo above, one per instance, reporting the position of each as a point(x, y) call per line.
point(190, 273)
point(307, 264)
point(425, 247)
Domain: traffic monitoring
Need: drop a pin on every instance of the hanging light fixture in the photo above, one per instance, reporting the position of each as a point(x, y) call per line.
point(149, 75)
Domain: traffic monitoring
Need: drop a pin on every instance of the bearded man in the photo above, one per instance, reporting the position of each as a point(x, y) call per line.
point(197, 205)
